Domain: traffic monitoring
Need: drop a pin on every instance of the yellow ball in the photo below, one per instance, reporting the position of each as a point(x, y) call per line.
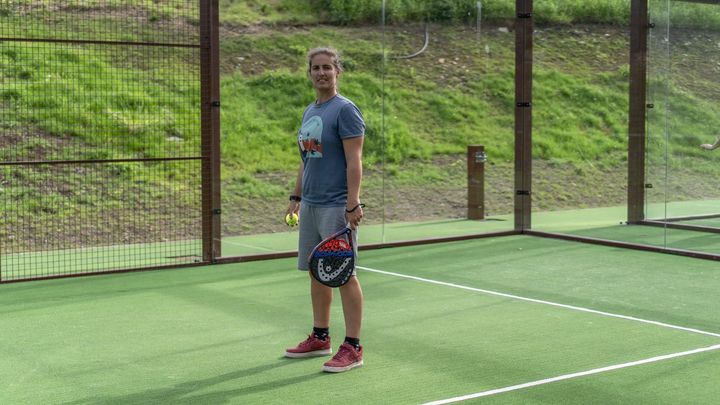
point(291, 219)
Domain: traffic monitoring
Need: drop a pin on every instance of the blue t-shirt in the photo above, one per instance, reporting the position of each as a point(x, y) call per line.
point(324, 126)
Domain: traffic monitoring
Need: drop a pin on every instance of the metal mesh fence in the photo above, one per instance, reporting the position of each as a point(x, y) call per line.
point(148, 22)
point(67, 218)
point(90, 102)
point(99, 136)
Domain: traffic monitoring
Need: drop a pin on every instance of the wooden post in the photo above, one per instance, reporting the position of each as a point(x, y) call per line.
point(523, 113)
point(210, 128)
point(476, 159)
point(636, 133)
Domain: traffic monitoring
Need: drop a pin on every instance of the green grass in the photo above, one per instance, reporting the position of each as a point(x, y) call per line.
point(155, 10)
point(250, 12)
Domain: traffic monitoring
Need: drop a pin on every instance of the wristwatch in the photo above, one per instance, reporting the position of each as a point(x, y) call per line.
point(295, 198)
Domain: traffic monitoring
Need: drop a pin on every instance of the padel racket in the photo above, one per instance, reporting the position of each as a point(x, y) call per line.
point(332, 261)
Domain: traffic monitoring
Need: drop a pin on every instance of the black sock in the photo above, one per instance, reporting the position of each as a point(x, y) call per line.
point(321, 333)
point(355, 342)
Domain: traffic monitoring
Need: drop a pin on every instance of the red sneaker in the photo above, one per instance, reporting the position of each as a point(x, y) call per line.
point(310, 347)
point(345, 359)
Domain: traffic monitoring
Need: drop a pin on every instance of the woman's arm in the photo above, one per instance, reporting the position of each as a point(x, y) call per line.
point(294, 206)
point(353, 157)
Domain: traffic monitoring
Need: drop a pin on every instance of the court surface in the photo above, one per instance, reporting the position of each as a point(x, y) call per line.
point(505, 320)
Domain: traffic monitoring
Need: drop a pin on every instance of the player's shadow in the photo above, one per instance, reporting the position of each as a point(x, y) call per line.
point(183, 393)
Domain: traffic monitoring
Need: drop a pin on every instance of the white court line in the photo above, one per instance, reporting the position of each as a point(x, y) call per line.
point(572, 307)
point(555, 304)
point(244, 245)
point(573, 375)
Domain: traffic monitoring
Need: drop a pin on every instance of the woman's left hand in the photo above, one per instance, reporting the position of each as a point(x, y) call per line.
point(354, 216)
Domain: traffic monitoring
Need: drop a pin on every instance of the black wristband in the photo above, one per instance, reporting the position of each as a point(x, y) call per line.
point(354, 208)
point(295, 198)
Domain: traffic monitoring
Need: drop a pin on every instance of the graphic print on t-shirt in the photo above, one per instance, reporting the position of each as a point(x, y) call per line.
point(310, 137)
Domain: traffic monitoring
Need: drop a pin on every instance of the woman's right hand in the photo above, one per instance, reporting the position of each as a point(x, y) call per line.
point(293, 207)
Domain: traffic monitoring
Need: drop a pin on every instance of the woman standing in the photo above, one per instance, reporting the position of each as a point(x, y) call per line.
point(328, 184)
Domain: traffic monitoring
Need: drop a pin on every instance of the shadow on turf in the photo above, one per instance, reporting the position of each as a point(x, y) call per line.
point(182, 393)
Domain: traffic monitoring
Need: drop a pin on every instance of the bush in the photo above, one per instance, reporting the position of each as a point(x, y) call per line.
point(546, 12)
point(357, 11)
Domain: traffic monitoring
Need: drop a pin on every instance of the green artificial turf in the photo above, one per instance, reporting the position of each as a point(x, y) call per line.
point(216, 334)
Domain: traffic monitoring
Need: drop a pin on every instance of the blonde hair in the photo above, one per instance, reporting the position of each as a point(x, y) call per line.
point(331, 52)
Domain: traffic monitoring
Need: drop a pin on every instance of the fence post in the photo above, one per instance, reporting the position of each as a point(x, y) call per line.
point(210, 128)
point(476, 159)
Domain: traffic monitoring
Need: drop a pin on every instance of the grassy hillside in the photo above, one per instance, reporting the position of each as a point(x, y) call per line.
point(421, 112)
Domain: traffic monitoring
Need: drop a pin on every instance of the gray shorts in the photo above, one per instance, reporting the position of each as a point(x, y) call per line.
point(316, 224)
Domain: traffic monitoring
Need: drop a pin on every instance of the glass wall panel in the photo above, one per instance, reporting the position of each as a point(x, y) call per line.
point(448, 85)
point(693, 119)
point(580, 121)
point(431, 80)
point(265, 88)
point(658, 79)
